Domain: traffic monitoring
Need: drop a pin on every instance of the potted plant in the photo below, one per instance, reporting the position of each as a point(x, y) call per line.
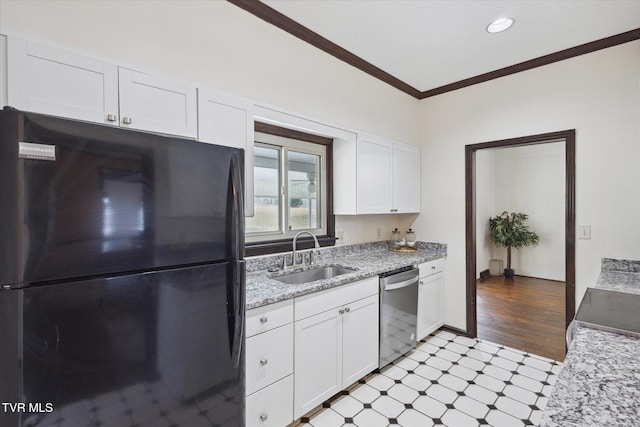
point(509, 230)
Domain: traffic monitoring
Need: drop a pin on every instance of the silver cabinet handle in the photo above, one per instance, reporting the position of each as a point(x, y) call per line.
point(347, 309)
point(394, 210)
point(264, 319)
point(264, 417)
point(421, 282)
point(341, 311)
point(433, 267)
point(263, 362)
point(111, 117)
point(126, 120)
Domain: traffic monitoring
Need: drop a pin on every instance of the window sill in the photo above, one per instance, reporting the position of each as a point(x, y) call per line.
point(285, 245)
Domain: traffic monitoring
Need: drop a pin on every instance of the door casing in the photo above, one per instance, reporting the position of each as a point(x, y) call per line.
point(569, 137)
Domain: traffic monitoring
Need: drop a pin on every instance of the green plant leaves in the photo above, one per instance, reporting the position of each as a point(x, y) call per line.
point(509, 230)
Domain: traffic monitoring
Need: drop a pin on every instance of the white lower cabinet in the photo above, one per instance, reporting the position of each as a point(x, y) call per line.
point(336, 341)
point(272, 406)
point(269, 365)
point(318, 365)
point(269, 357)
point(360, 339)
point(430, 297)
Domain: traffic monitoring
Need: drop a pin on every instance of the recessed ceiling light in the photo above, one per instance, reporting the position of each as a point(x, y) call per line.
point(500, 24)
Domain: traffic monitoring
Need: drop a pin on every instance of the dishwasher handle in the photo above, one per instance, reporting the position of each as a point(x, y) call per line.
point(404, 284)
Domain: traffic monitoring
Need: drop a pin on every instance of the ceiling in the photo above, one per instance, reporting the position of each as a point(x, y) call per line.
point(430, 44)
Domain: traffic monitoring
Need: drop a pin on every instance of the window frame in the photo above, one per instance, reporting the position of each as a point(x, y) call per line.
point(284, 243)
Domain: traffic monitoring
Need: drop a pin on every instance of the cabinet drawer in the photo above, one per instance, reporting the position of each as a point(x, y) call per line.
point(309, 305)
point(269, 357)
point(265, 318)
point(431, 267)
point(272, 406)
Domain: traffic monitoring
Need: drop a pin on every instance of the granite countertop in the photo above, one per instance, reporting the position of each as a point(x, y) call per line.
point(367, 259)
point(599, 384)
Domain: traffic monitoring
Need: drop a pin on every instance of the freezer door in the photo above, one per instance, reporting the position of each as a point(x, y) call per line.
point(80, 199)
point(151, 349)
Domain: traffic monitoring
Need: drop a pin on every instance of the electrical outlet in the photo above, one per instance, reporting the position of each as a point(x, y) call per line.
point(584, 231)
point(378, 233)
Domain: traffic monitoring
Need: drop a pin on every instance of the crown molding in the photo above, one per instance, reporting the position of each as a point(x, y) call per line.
point(298, 30)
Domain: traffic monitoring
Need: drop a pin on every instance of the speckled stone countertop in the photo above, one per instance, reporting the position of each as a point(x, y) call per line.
point(600, 382)
point(367, 260)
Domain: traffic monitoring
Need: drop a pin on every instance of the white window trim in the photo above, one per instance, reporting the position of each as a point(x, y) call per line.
point(303, 147)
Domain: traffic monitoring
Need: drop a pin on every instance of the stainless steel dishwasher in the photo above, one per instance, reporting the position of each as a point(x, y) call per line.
point(398, 313)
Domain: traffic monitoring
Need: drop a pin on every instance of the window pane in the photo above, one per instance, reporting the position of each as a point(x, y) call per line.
point(304, 187)
point(267, 192)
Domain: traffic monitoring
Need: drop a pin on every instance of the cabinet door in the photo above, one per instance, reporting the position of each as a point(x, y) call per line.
point(228, 120)
point(359, 339)
point(318, 360)
point(157, 104)
point(374, 175)
point(52, 81)
point(406, 178)
point(430, 304)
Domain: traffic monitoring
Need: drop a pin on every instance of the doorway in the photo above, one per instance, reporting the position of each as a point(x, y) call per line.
point(568, 137)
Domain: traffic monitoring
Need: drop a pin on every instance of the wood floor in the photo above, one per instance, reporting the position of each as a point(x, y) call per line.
point(523, 313)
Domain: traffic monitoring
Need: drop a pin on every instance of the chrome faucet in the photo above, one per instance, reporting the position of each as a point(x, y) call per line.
point(293, 254)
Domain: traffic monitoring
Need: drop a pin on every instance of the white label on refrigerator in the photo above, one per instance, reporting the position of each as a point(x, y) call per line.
point(29, 150)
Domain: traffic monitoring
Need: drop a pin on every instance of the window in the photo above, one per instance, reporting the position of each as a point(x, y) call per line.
point(289, 188)
point(292, 189)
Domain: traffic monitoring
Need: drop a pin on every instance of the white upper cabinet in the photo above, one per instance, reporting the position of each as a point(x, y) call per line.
point(52, 81)
point(373, 175)
point(157, 104)
point(226, 119)
point(406, 178)
point(374, 169)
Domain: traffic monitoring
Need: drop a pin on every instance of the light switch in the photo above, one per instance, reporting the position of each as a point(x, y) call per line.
point(584, 231)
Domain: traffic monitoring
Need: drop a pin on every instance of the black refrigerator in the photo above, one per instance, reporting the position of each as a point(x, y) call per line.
point(121, 277)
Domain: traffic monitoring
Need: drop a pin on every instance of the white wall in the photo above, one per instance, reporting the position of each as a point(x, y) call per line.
point(598, 95)
point(531, 180)
point(216, 44)
point(364, 228)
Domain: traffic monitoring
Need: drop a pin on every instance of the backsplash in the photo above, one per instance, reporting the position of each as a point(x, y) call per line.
point(275, 261)
point(623, 265)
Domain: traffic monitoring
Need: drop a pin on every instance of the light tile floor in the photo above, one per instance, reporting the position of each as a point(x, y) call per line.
point(447, 380)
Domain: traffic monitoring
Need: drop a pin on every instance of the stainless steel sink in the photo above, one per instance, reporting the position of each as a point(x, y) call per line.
point(313, 274)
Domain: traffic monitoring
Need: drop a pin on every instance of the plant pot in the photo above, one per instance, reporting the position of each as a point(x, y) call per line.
point(509, 273)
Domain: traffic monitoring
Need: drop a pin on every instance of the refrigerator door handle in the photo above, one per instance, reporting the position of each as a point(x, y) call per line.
point(238, 315)
point(237, 250)
point(238, 205)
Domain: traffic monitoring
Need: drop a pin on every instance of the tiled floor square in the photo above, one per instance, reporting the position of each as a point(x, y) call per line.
point(347, 406)
point(447, 380)
point(455, 418)
point(365, 393)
